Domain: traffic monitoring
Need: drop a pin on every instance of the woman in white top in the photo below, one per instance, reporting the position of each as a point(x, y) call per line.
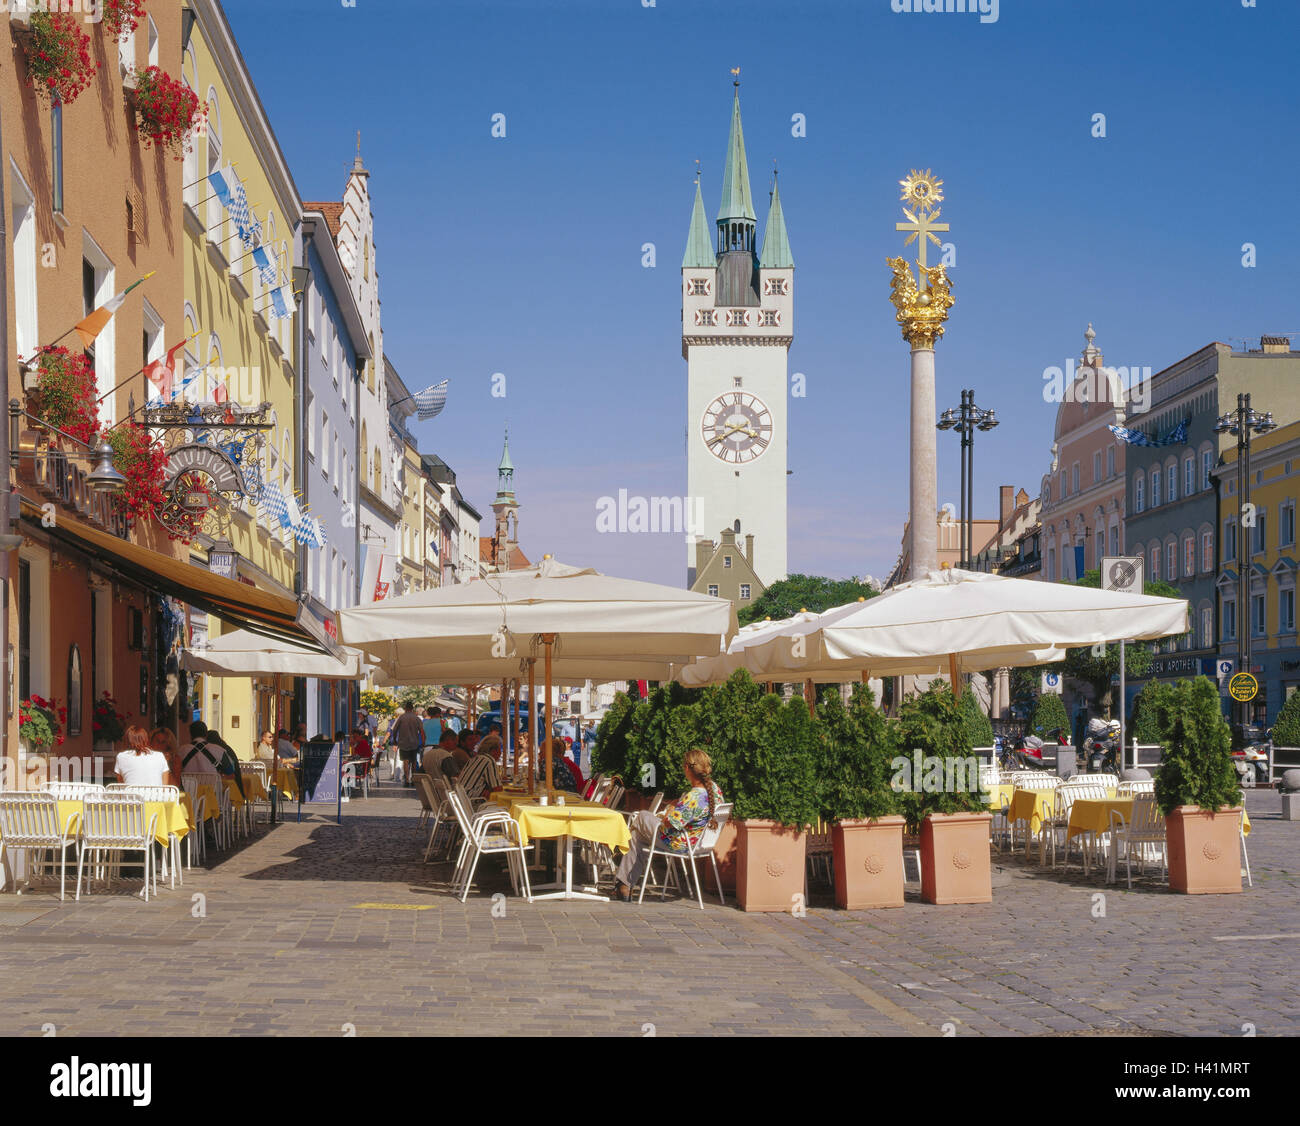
point(140, 764)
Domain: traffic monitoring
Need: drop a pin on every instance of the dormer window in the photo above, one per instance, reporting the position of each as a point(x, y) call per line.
point(726, 561)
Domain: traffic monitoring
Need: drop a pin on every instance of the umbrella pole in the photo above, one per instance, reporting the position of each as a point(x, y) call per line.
point(515, 737)
point(505, 720)
point(952, 675)
point(548, 639)
point(532, 722)
point(810, 697)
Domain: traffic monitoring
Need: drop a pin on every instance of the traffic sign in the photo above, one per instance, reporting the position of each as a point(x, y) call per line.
point(1243, 687)
point(1122, 573)
point(1051, 683)
point(1226, 669)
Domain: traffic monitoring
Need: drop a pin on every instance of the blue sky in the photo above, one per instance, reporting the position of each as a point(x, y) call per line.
point(522, 255)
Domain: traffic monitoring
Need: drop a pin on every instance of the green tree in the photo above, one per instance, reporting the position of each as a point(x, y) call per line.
point(1097, 669)
point(1148, 707)
point(1197, 765)
point(657, 729)
point(1286, 728)
point(979, 728)
point(379, 702)
point(933, 724)
point(612, 749)
point(856, 751)
point(773, 776)
point(787, 597)
point(1049, 714)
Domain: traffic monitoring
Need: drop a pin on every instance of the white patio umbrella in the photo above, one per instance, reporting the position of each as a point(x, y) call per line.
point(962, 621)
point(552, 611)
point(241, 653)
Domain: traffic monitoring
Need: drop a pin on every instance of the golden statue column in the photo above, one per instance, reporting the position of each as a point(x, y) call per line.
point(921, 310)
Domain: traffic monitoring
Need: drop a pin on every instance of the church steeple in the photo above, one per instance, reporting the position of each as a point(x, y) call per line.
point(776, 243)
point(736, 218)
point(506, 474)
point(699, 247)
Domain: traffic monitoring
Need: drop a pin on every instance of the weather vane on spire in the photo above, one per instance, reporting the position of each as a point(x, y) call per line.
point(697, 170)
point(735, 70)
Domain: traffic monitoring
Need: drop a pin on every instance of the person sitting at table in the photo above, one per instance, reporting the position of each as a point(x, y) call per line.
point(561, 769)
point(196, 757)
point(141, 764)
point(285, 750)
point(491, 749)
point(676, 824)
point(436, 762)
point(265, 750)
point(227, 761)
point(361, 747)
point(163, 739)
point(451, 743)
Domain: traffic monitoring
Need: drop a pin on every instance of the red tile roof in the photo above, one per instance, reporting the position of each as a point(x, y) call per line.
point(518, 560)
point(333, 213)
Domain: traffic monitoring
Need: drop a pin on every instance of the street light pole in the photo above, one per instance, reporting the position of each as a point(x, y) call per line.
point(1241, 423)
point(966, 419)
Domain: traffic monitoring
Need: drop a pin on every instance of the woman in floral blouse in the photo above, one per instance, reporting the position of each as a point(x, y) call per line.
point(676, 824)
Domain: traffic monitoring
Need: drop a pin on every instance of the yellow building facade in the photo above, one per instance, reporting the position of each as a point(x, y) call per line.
point(239, 349)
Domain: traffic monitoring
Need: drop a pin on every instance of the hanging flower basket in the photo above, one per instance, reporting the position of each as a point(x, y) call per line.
point(66, 392)
point(109, 723)
point(40, 723)
point(121, 17)
point(59, 66)
point(167, 112)
point(140, 458)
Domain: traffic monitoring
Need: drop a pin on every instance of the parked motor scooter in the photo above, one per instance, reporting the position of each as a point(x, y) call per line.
point(1101, 746)
point(1250, 760)
point(1028, 753)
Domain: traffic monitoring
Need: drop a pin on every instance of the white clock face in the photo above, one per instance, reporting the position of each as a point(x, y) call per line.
point(737, 427)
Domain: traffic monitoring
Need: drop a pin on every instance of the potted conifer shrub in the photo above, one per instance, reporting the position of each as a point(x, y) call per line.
point(772, 781)
point(1197, 790)
point(944, 799)
point(857, 765)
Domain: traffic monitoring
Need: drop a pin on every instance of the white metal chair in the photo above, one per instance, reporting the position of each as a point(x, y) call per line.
point(443, 817)
point(1132, 789)
point(29, 822)
point(197, 840)
point(71, 791)
point(1034, 780)
point(1241, 831)
point(256, 770)
point(1105, 781)
point(1058, 825)
point(1143, 831)
point(494, 833)
point(159, 794)
point(423, 791)
point(705, 847)
point(116, 823)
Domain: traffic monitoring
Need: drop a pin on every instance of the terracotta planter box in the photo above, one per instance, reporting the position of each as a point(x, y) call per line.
point(1204, 850)
point(868, 863)
point(955, 858)
point(769, 866)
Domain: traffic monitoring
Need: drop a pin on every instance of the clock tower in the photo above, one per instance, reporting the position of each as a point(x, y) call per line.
point(737, 324)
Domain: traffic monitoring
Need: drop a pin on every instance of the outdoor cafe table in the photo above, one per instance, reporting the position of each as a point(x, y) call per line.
point(998, 792)
point(1034, 806)
point(253, 790)
point(173, 816)
point(1092, 815)
point(590, 821)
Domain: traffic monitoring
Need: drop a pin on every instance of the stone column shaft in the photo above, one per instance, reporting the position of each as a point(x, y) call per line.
point(923, 492)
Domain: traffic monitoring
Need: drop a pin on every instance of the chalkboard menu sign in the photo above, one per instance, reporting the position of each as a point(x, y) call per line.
point(320, 767)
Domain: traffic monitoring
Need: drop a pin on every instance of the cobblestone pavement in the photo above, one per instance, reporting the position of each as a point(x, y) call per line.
point(310, 928)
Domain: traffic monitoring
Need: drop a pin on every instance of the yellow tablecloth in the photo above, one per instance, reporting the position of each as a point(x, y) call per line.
point(211, 807)
point(1036, 806)
point(253, 790)
point(286, 780)
point(590, 821)
point(173, 816)
point(997, 793)
point(1092, 815)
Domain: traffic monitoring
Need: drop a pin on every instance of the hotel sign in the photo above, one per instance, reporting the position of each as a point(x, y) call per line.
point(54, 475)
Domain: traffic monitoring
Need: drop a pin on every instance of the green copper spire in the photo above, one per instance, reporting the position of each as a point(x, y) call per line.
point(776, 243)
point(699, 246)
point(506, 472)
point(736, 200)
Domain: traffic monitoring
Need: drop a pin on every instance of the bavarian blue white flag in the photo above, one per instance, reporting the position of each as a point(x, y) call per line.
point(1175, 437)
point(273, 501)
point(246, 224)
point(265, 267)
point(430, 401)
